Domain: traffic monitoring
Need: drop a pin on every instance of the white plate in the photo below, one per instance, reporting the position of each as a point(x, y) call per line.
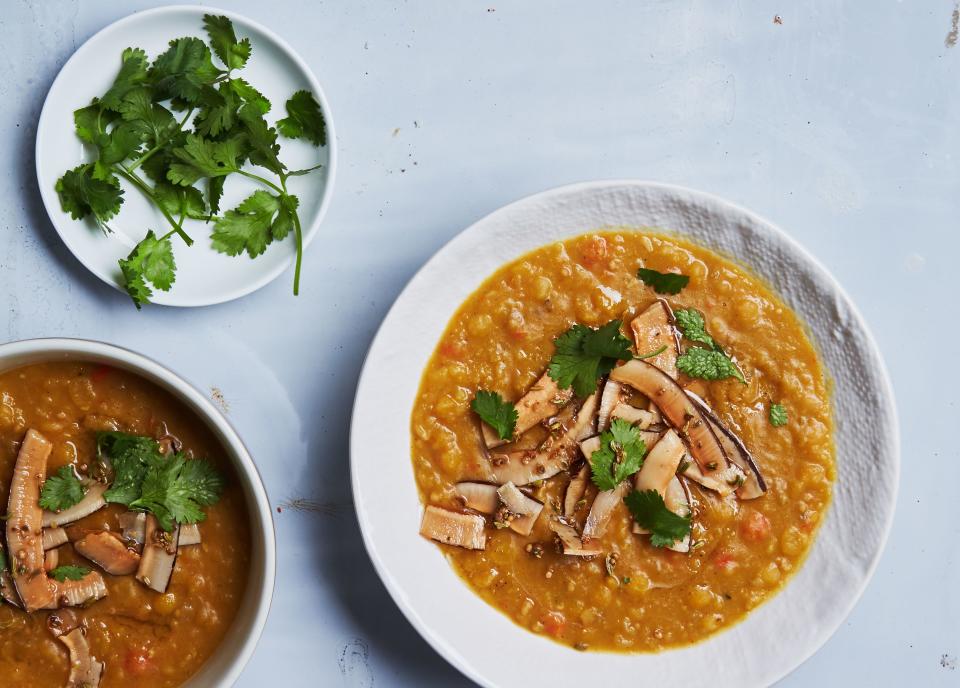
point(480, 641)
point(203, 276)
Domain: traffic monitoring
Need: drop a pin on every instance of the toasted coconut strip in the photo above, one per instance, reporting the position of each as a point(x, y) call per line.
point(660, 465)
point(723, 482)
point(570, 539)
point(92, 501)
point(653, 329)
point(753, 485)
point(159, 555)
point(602, 509)
point(527, 509)
point(53, 538)
point(24, 519)
point(71, 593)
point(522, 468)
point(480, 497)
point(51, 558)
point(106, 550)
point(677, 498)
point(612, 396)
point(453, 528)
point(541, 401)
point(85, 670)
point(134, 525)
point(678, 409)
point(640, 417)
point(576, 489)
point(189, 535)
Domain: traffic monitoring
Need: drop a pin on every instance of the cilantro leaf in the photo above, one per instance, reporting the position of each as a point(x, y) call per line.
point(174, 490)
point(152, 121)
point(126, 457)
point(708, 365)
point(494, 411)
point(262, 139)
point(184, 69)
point(150, 261)
point(663, 282)
point(778, 415)
point(232, 53)
point(691, 323)
point(133, 72)
point(215, 193)
point(121, 143)
point(248, 227)
point(82, 194)
point(180, 200)
point(584, 355)
point(620, 455)
point(651, 354)
point(304, 119)
point(65, 573)
point(218, 113)
point(651, 513)
point(199, 158)
point(250, 95)
point(92, 121)
point(62, 490)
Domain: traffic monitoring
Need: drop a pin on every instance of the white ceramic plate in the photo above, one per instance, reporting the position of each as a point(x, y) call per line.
point(203, 275)
point(480, 641)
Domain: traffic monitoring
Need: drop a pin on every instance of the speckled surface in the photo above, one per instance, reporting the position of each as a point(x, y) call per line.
point(838, 124)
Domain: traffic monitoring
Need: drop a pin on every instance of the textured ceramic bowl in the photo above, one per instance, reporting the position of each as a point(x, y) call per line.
point(224, 667)
point(479, 640)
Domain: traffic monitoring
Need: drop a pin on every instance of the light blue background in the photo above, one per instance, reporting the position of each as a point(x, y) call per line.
point(840, 125)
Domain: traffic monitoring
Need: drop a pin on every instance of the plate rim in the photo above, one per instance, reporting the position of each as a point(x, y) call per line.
point(49, 199)
point(886, 387)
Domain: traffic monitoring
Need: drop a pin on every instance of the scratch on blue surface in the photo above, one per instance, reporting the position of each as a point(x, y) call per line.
point(355, 665)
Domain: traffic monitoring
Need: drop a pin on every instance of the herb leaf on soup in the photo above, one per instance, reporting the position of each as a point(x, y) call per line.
point(778, 415)
point(663, 282)
point(494, 411)
point(584, 355)
point(650, 511)
point(62, 490)
point(691, 324)
point(620, 455)
point(69, 572)
point(708, 365)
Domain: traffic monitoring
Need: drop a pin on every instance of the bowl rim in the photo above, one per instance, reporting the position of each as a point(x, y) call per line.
point(48, 196)
point(366, 527)
point(45, 349)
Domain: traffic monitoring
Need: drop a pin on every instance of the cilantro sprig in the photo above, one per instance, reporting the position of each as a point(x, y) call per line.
point(494, 411)
point(650, 511)
point(620, 455)
point(173, 488)
point(176, 125)
point(61, 490)
point(663, 282)
point(711, 363)
point(584, 355)
point(69, 572)
point(778, 415)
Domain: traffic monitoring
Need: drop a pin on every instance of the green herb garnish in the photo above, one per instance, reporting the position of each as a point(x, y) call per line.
point(584, 355)
point(691, 323)
point(218, 130)
point(651, 513)
point(653, 353)
point(3, 560)
point(172, 488)
point(708, 365)
point(494, 411)
point(778, 415)
point(65, 573)
point(620, 455)
point(62, 490)
point(663, 282)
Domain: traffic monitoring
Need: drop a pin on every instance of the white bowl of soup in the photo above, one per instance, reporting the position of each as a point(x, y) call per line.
point(139, 547)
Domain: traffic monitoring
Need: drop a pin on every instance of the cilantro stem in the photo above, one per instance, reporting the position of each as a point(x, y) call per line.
point(262, 180)
point(130, 176)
